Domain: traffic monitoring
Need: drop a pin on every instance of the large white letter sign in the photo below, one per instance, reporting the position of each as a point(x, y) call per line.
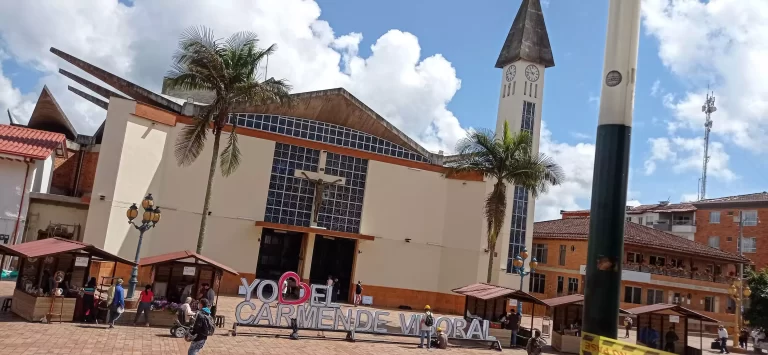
point(264, 314)
point(316, 300)
point(260, 291)
point(285, 311)
point(378, 322)
point(325, 313)
point(458, 328)
point(448, 328)
point(239, 310)
point(306, 317)
point(249, 288)
point(340, 317)
point(368, 321)
point(412, 326)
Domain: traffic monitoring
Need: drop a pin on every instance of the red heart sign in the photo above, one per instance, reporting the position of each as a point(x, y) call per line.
point(305, 287)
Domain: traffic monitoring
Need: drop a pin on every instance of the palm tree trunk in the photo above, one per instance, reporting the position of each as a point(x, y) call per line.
point(491, 249)
point(207, 202)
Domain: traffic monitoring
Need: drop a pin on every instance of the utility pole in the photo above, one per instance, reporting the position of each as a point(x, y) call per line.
point(708, 108)
point(609, 187)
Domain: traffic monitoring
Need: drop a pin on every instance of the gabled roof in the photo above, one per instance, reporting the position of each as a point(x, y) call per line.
point(486, 291)
point(48, 116)
point(662, 307)
point(755, 197)
point(30, 143)
point(338, 106)
point(634, 234)
point(577, 299)
point(181, 255)
point(52, 246)
point(527, 38)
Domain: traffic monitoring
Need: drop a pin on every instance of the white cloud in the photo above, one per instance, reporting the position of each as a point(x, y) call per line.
point(137, 43)
point(577, 162)
point(686, 155)
point(579, 135)
point(656, 88)
point(719, 42)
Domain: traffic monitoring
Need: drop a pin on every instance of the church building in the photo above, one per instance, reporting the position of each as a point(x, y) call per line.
point(325, 187)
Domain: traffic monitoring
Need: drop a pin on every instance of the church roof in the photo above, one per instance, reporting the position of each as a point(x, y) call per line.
point(527, 38)
point(48, 116)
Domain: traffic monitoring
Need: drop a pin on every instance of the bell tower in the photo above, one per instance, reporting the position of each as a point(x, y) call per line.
point(525, 56)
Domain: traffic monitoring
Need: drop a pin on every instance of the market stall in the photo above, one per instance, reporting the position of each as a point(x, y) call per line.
point(174, 276)
point(52, 273)
point(656, 324)
point(566, 312)
point(490, 302)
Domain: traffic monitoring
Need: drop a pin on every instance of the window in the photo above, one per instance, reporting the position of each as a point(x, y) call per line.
point(629, 219)
point(709, 304)
point(731, 309)
point(518, 226)
point(529, 112)
point(677, 262)
point(658, 260)
point(728, 239)
point(714, 242)
point(749, 245)
point(633, 295)
point(634, 258)
point(514, 83)
point(750, 218)
point(540, 253)
point(655, 296)
point(560, 285)
point(561, 260)
point(714, 217)
point(573, 285)
point(640, 220)
point(677, 299)
point(538, 283)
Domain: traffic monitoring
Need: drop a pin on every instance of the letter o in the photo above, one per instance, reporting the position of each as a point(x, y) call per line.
point(449, 328)
point(260, 291)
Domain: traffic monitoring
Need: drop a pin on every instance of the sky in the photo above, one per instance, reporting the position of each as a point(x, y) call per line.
point(428, 67)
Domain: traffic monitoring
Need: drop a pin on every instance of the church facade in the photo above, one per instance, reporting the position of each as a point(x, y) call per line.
point(325, 188)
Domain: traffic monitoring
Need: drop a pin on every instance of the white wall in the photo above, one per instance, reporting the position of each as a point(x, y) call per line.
point(12, 188)
point(43, 175)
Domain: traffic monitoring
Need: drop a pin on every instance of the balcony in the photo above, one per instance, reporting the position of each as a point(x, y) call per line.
point(678, 226)
point(679, 272)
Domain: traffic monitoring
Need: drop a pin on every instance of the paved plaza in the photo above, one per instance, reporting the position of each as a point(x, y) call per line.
point(20, 337)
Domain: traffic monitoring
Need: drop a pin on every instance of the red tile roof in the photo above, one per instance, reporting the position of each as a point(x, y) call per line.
point(673, 207)
point(634, 234)
point(29, 143)
point(53, 246)
point(184, 254)
point(571, 299)
point(485, 291)
point(759, 196)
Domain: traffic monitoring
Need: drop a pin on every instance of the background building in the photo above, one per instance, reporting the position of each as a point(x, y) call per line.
point(677, 218)
point(717, 222)
point(658, 267)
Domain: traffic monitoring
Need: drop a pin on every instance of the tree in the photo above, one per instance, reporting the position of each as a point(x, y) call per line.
point(229, 69)
point(757, 313)
point(505, 159)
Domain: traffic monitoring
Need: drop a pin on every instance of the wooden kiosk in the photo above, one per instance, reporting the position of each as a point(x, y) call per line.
point(565, 313)
point(52, 273)
point(655, 321)
point(490, 302)
point(182, 273)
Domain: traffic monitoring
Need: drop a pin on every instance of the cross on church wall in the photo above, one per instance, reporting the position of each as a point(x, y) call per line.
point(321, 181)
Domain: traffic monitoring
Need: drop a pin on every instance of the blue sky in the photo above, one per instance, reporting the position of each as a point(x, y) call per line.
point(678, 43)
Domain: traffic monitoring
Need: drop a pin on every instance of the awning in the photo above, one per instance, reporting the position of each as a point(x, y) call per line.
point(660, 307)
point(576, 299)
point(486, 292)
point(184, 254)
point(53, 246)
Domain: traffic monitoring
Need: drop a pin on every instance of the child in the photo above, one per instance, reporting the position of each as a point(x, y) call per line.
point(535, 343)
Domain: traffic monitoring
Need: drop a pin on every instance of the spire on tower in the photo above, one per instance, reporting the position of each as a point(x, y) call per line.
point(528, 38)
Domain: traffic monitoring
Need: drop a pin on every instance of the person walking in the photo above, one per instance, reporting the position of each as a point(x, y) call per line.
point(358, 293)
point(513, 324)
point(743, 338)
point(722, 334)
point(627, 325)
point(145, 304)
point(669, 340)
point(117, 306)
point(202, 328)
point(425, 331)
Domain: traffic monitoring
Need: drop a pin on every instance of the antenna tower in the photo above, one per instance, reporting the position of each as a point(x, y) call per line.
point(708, 108)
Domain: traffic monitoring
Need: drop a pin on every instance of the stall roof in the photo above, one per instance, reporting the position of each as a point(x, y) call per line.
point(571, 299)
point(485, 291)
point(52, 246)
point(184, 254)
point(653, 308)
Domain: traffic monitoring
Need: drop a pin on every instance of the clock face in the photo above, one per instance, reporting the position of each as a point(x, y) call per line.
point(532, 73)
point(510, 74)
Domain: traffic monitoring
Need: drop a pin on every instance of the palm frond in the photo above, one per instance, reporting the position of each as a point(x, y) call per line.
point(200, 54)
point(240, 40)
point(230, 156)
point(191, 141)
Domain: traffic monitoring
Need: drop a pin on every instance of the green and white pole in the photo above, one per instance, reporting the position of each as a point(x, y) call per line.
point(609, 185)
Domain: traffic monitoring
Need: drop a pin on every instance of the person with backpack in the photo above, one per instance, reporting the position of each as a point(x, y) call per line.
point(202, 329)
point(425, 331)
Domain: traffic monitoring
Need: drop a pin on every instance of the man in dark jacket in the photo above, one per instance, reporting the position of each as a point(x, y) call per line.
point(199, 330)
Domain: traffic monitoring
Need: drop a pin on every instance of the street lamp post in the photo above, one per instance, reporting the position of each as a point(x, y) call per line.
point(149, 219)
point(609, 187)
point(519, 264)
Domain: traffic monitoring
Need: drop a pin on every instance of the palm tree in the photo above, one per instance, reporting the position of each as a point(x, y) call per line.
point(507, 159)
point(229, 69)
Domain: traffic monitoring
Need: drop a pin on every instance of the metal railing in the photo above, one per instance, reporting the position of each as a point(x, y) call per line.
point(678, 272)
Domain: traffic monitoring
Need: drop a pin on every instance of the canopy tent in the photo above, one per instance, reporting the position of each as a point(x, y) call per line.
point(653, 319)
point(564, 312)
point(53, 246)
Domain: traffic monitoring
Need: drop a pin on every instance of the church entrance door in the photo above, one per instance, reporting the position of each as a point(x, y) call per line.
point(333, 256)
point(279, 252)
